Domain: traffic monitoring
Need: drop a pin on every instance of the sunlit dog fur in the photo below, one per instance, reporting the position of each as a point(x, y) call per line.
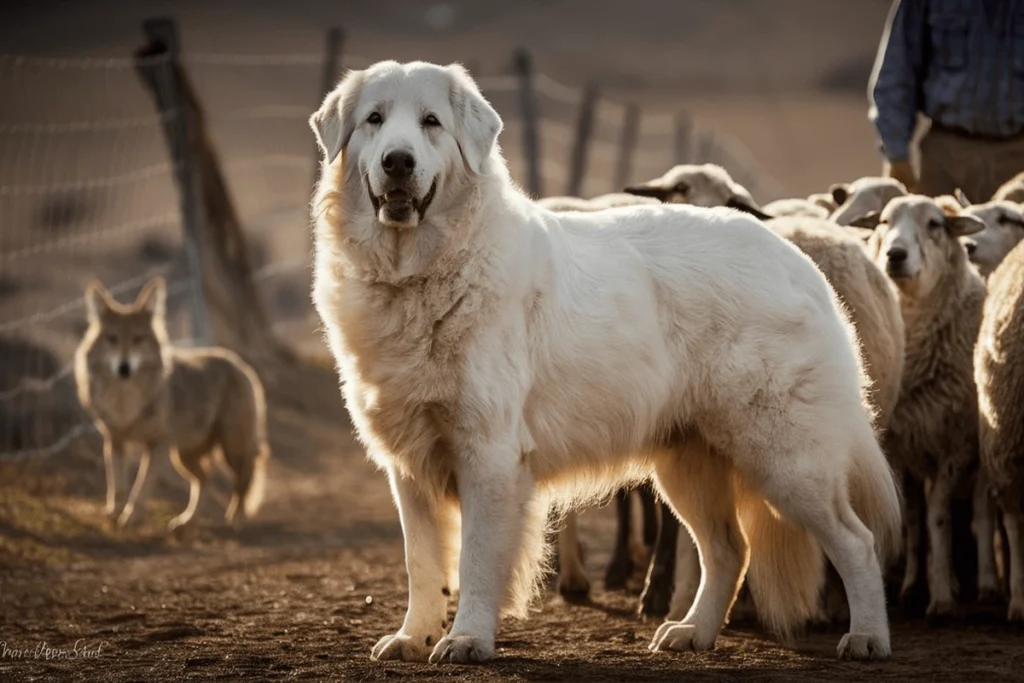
point(496, 357)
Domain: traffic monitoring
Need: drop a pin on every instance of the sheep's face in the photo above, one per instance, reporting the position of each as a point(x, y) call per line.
point(862, 197)
point(700, 185)
point(916, 242)
point(1004, 228)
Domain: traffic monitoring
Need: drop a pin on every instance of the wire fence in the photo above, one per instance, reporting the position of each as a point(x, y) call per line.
point(88, 189)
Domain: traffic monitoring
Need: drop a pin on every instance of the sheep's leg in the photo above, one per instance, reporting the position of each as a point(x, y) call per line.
point(1014, 523)
point(914, 503)
point(572, 577)
point(940, 578)
point(657, 594)
point(984, 530)
point(621, 566)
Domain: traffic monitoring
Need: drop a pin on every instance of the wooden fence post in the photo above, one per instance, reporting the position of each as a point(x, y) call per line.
point(232, 307)
point(328, 79)
point(158, 68)
point(684, 139)
point(627, 146)
point(530, 113)
point(580, 146)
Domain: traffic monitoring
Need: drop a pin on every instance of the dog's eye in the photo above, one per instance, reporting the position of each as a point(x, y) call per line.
point(431, 121)
point(375, 119)
point(111, 338)
point(935, 224)
point(138, 339)
point(681, 188)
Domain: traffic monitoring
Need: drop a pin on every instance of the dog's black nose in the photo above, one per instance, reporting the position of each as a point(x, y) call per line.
point(398, 164)
point(124, 369)
point(896, 255)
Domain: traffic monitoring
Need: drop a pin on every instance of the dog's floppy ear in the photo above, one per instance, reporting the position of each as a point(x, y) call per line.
point(840, 193)
point(648, 189)
point(97, 300)
point(868, 221)
point(333, 123)
point(741, 204)
point(964, 224)
point(477, 123)
point(153, 297)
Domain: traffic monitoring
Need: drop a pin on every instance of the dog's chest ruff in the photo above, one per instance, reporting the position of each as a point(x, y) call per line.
point(401, 355)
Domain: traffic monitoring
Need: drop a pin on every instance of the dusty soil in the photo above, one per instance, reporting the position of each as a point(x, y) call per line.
point(309, 586)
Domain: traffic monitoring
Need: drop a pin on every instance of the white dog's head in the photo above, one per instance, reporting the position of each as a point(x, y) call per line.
point(403, 131)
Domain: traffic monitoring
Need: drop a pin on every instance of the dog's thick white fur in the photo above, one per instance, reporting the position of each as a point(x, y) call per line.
point(496, 357)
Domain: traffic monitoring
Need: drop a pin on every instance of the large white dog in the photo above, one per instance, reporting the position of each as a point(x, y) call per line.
point(497, 357)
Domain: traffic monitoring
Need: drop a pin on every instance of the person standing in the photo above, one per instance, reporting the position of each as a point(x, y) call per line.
point(960, 63)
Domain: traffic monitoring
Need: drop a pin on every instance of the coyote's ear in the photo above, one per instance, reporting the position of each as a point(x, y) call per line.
point(153, 297)
point(97, 300)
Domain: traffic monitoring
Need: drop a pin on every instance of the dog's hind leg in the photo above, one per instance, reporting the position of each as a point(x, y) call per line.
point(425, 525)
point(190, 466)
point(698, 486)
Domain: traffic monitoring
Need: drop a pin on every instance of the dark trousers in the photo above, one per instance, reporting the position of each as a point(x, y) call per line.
point(978, 166)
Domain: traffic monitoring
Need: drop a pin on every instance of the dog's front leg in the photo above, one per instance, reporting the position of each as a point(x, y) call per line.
point(151, 469)
point(495, 488)
point(426, 526)
point(117, 475)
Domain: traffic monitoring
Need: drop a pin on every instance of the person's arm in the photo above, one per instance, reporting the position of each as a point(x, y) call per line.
point(895, 86)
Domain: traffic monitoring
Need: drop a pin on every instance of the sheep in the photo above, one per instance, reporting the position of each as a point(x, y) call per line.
point(700, 185)
point(865, 196)
point(875, 313)
point(795, 207)
point(1012, 190)
point(1004, 228)
point(825, 200)
point(933, 432)
point(999, 373)
point(604, 201)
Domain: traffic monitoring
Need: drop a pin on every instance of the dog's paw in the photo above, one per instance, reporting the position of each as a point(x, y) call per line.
point(679, 637)
point(128, 518)
point(178, 522)
point(859, 646)
point(463, 650)
point(402, 647)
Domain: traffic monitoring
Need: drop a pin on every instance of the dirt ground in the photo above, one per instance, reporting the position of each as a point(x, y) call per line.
point(308, 587)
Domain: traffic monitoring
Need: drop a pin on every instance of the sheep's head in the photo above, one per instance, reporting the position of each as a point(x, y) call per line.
point(863, 197)
point(916, 241)
point(700, 185)
point(1004, 228)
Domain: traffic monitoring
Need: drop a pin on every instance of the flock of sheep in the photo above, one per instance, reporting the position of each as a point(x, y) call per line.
point(935, 289)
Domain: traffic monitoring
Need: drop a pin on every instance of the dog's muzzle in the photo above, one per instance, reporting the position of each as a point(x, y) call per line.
point(124, 369)
point(397, 206)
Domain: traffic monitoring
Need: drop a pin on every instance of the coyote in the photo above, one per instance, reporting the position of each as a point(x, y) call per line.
point(179, 404)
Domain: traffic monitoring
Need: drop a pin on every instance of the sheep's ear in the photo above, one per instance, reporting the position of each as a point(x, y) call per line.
point(964, 224)
point(153, 297)
point(649, 189)
point(868, 221)
point(97, 300)
point(840, 193)
point(741, 204)
point(333, 123)
point(961, 198)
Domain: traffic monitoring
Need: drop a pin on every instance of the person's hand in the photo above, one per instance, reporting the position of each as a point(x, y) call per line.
point(901, 171)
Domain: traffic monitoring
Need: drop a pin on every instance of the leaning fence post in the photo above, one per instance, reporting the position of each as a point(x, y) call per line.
point(528, 107)
point(627, 145)
point(684, 139)
point(328, 79)
point(580, 146)
point(160, 70)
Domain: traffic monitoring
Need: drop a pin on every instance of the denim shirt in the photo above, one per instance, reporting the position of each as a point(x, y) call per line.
point(959, 62)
